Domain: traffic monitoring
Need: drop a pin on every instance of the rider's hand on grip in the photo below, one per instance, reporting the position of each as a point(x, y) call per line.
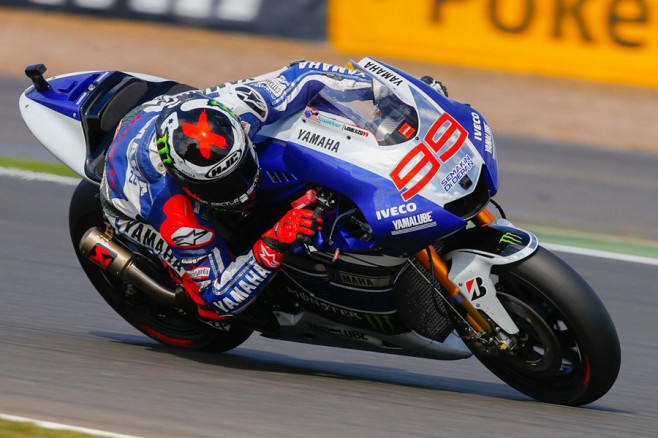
point(297, 225)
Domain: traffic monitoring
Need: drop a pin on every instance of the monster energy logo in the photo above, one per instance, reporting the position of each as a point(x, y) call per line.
point(218, 104)
point(511, 239)
point(382, 323)
point(164, 151)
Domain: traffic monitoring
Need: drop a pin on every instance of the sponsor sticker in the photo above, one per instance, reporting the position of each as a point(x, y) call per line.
point(511, 239)
point(477, 126)
point(396, 211)
point(361, 281)
point(313, 114)
point(274, 86)
point(321, 304)
point(457, 173)
point(310, 113)
point(194, 260)
point(191, 237)
point(102, 255)
point(488, 139)
point(342, 332)
point(246, 284)
point(318, 140)
point(147, 235)
point(406, 130)
point(383, 73)
point(201, 273)
point(323, 66)
point(475, 289)
point(226, 165)
point(253, 100)
point(356, 130)
point(413, 223)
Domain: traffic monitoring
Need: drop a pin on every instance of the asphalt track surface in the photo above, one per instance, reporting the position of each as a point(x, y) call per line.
point(66, 357)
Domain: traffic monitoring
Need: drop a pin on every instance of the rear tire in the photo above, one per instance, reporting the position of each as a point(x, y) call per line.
point(568, 351)
point(164, 324)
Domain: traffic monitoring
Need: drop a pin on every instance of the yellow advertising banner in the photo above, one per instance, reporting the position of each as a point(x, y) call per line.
point(603, 40)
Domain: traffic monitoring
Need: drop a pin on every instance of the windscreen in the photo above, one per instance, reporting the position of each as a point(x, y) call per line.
point(382, 113)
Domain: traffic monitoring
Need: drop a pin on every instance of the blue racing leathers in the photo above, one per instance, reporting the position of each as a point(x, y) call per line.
point(145, 204)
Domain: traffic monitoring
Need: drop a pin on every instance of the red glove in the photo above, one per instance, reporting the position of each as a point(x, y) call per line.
point(298, 225)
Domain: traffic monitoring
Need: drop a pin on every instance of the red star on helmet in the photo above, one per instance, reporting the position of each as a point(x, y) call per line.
point(204, 135)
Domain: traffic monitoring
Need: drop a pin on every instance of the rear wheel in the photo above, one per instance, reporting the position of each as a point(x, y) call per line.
point(568, 350)
point(164, 324)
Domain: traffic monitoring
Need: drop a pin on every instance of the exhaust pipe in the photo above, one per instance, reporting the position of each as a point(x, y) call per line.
point(118, 260)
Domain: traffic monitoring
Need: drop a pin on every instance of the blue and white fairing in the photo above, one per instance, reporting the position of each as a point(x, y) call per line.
point(55, 116)
point(400, 172)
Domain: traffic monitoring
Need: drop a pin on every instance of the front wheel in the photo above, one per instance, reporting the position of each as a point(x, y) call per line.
point(567, 350)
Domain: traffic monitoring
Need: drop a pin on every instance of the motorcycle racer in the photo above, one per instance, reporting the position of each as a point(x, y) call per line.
point(175, 159)
point(182, 178)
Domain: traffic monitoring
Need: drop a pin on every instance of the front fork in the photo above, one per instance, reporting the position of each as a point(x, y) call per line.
point(436, 264)
point(433, 262)
point(483, 218)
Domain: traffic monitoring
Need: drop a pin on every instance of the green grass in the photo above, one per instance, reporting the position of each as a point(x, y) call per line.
point(37, 166)
point(581, 239)
point(16, 429)
point(595, 241)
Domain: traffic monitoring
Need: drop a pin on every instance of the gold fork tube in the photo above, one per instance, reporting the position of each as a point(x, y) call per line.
point(440, 269)
point(484, 217)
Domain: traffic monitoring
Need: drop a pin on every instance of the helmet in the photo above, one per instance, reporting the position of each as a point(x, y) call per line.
point(203, 146)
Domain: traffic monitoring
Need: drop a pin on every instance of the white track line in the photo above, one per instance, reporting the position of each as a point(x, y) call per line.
point(601, 254)
point(58, 426)
point(37, 176)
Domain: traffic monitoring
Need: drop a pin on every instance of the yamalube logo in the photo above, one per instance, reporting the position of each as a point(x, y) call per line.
point(413, 223)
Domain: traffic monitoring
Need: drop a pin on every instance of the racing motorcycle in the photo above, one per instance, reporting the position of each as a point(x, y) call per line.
point(410, 260)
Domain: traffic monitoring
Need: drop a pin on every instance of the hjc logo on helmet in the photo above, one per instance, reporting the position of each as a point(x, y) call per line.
point(225, 165)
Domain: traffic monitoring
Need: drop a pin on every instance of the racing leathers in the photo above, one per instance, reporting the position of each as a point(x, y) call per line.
point(144, 203)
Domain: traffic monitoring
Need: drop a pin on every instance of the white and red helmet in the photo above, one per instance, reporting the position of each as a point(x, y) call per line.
point(203, 146)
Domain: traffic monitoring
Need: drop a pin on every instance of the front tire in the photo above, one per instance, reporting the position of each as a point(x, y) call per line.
point(568, 350)
point(164, 324)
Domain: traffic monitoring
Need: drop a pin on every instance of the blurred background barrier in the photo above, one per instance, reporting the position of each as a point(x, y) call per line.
point(303, 19)
point(603, 40)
